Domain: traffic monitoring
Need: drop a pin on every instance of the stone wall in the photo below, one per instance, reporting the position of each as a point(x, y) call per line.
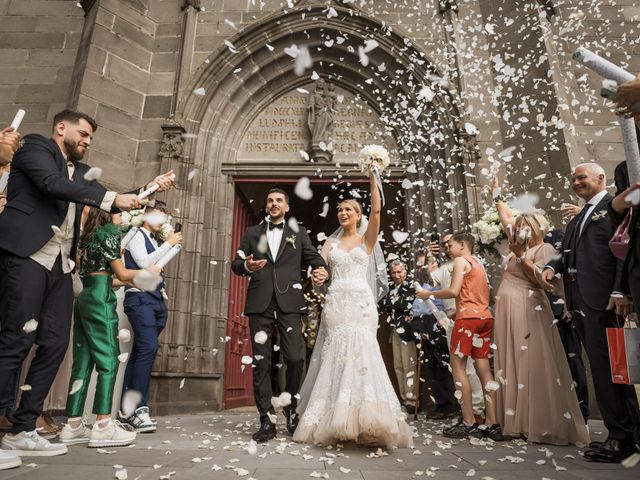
point(38, 44)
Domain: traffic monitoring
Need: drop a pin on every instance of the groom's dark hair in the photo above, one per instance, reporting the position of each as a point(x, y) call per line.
point(281, 191)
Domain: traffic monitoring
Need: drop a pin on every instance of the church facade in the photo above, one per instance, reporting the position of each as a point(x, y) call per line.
point(237, 95)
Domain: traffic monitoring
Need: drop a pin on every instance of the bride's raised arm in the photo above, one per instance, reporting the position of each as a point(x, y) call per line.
point(373, 229)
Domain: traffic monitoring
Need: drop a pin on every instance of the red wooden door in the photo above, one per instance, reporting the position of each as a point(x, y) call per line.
point(238, 379)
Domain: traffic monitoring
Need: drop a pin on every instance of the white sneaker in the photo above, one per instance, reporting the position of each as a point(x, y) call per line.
point(30, 444)
point(73, 436)
point(141, 421)
point(112, 435)
point(8, 461)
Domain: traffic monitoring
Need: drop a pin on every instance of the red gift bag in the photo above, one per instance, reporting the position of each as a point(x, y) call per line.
point(624, 355)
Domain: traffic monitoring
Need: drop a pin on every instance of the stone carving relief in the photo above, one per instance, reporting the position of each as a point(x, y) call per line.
point(172, 141)
point(321, 114)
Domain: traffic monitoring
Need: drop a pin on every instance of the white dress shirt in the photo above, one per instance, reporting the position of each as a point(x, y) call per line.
point(138, 250)
point(590, 205)
point(274, 238)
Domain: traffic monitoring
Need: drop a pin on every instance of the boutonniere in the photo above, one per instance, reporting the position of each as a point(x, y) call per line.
point(292, 240)
point(597, 216)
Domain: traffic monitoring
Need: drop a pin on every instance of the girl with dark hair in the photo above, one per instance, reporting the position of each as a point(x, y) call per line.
point(95, 333)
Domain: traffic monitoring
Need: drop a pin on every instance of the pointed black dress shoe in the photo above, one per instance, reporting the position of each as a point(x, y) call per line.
point(611, 451)
point(598, 445)
point(292, 419)
point(267, 432)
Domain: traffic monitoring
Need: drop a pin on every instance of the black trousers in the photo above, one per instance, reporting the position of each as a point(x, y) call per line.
point(292, 349)
point(436, 385)
point(618, 403)
point(29, 291)
point(573, 349)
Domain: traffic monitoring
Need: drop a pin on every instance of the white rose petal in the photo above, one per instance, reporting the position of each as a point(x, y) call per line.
point(30, 326)
point(124, 335)
point(303, 189)
point(76, 386)
point(130, 401)
point(260, 337)
point(147, 280)
point(94, 173)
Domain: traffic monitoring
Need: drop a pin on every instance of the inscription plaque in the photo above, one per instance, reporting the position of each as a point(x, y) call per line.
point(281, 131)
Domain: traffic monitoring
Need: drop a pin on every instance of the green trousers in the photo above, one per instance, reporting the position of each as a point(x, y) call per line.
point(95, 343)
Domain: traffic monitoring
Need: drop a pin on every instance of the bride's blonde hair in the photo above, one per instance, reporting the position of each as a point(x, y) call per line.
point(357, 207)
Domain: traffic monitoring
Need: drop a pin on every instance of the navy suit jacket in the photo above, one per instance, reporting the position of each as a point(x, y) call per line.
point(38, 196)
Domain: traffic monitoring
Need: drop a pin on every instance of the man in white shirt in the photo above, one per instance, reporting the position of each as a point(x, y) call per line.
point(146, 311)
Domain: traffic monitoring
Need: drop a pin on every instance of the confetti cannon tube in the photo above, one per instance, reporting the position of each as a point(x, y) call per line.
point(631, 150)
point(128, 237)
point(17, 120)
point(602, 67)
point(611, 71)
point(175, 250)
point(152, 189)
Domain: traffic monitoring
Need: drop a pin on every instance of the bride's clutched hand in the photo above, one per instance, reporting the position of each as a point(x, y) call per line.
point(319, 276)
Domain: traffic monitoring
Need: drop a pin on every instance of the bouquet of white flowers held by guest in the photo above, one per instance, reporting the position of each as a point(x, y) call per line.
point(373, 159)
point(489, 233)
point(132, 218)
point(136, 218)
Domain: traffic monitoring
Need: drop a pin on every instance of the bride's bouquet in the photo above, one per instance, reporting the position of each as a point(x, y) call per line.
point(372, 160)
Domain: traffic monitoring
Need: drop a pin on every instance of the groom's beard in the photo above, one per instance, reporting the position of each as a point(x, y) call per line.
point(276, 219)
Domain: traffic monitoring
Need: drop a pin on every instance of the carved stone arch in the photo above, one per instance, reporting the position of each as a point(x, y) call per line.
point(223, 97)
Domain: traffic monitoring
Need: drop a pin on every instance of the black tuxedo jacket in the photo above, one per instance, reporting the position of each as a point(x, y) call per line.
point(598, 272)
point(284, 271)
point(38, 196)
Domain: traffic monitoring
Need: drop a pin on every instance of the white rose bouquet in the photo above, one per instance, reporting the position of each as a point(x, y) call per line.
point(132, 218)
point(488, 231)
point(373, 158)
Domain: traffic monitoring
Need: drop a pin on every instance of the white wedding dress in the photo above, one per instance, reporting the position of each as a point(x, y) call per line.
point(347, 394)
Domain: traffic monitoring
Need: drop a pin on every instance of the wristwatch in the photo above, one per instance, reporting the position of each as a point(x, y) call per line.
point(521, 258)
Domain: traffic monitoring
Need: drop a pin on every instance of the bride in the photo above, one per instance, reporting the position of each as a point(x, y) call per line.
point(347, 394)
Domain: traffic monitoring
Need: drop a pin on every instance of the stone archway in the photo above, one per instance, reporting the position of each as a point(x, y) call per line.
point(225, 95)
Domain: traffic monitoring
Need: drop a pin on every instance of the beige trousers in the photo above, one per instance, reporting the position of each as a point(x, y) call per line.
point(404, 362)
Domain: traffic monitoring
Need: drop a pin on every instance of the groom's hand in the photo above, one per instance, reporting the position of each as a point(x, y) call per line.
point(319, 276)
point(254, 265)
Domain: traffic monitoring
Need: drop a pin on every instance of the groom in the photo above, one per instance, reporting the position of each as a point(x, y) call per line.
point(274, 255)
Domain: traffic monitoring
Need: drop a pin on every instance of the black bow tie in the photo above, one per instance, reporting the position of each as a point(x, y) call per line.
point(276, 225)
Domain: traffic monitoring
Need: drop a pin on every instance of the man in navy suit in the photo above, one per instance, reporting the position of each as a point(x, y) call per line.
point(592, 283)
point(39, 232)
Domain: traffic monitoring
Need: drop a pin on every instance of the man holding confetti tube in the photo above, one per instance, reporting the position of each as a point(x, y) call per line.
point(39, 232)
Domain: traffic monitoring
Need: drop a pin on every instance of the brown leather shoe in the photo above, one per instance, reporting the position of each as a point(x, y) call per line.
point(5, 424)
point(45, 430)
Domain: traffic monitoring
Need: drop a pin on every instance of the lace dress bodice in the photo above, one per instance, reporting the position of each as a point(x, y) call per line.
point(348, 268)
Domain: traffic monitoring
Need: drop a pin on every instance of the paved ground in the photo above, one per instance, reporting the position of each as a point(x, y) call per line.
point(214, 446)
